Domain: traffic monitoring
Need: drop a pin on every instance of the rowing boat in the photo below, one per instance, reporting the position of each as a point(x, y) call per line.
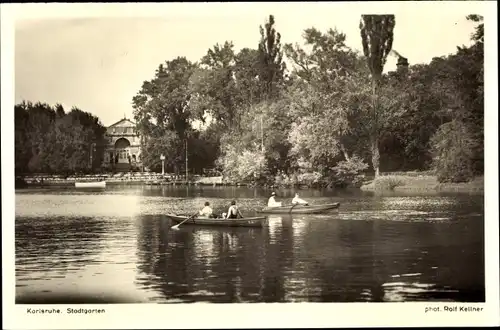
point(300, 209)
point(241, 222)
point(93, 184)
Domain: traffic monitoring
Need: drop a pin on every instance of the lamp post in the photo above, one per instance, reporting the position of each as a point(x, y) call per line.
point(187, 173)
point(261, 135)
point(162, 158)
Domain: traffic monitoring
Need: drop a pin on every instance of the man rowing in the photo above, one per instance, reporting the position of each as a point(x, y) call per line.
point(233, 212)
point(298, 201)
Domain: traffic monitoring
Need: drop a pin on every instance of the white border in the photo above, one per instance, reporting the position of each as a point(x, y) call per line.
point(248, 315)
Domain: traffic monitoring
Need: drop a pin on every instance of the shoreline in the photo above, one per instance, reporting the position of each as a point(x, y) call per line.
point(401, 182)
point(129, 179)
point(422, 183)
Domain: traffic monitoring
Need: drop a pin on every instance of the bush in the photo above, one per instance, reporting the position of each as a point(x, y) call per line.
point(309, 178)
point(453, 149)
point(242, 166)
point(349, 172)
point(388, 182)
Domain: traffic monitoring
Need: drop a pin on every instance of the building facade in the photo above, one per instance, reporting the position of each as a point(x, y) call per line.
point(123, 152)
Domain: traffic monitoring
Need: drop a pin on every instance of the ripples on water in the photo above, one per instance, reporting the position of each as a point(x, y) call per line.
point(116, 246)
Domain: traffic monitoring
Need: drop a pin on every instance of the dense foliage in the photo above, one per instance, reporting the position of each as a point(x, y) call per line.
point(330, 117)
point(48, 140)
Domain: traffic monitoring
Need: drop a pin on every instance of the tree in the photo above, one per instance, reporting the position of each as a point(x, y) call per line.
point(458, 145)
point(258, 81)
point(213, 86)
point(69, 148)
point(40, 120)
point(23, 148)
point(377, 37)
point(50, 140)
point(404, 139)
point(478, 35)
point(59, 110)
point(324, 100)
point(267, 125)
point(271, 65)
point(239, 165)
point(246, 72)
point(204, 148)
point(453, 148)
point(163, 114)
point(92, 136)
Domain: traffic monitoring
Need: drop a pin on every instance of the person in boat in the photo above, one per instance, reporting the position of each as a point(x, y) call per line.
point(207, 211)
point(272, 201)
point(233, 212)
point(298, 201)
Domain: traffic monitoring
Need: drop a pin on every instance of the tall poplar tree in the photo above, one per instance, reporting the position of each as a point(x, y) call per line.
point(272, 67)
point(377, 34)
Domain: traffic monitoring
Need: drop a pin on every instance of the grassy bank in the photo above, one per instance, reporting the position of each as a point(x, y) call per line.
point(421, 183)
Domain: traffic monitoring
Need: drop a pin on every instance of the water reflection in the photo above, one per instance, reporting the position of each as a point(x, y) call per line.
point(74, 260)
point(75, 241)
point(375, 248)
point(196, 264)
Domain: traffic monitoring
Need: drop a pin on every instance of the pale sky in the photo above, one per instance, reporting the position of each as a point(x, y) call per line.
point(81, 58)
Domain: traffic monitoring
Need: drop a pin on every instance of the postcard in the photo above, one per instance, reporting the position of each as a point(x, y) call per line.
point(249, 165)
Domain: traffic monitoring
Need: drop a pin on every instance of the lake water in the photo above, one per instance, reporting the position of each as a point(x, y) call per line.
point(116, 246)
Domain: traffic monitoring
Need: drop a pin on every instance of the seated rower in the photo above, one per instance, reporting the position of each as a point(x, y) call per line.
point(233, 212)
point(298, 201)
point(207, 211)
point(272, 202)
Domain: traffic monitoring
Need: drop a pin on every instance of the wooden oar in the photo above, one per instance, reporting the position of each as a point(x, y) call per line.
point(293, 205)
point(177, 225)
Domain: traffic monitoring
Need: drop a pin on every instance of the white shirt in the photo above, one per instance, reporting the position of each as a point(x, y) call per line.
point(298, 200)
point(206, 211)
point(272, 202)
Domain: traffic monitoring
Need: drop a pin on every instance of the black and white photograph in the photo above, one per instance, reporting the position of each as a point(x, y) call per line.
point(250, 154)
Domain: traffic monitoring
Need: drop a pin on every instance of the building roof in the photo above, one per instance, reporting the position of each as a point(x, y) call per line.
point(123, 123)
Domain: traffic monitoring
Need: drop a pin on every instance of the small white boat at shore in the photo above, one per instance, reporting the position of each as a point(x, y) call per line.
point(93, 184)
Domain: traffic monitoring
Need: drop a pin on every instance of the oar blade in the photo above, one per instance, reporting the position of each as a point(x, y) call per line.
point(177, 225)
